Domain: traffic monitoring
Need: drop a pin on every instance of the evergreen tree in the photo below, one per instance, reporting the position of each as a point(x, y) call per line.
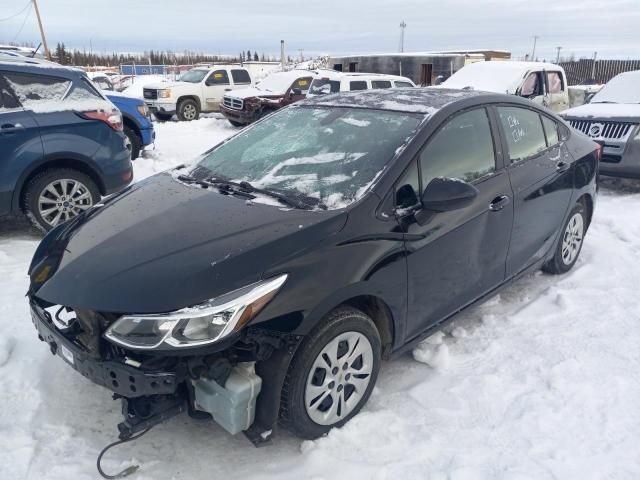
point(255, 57)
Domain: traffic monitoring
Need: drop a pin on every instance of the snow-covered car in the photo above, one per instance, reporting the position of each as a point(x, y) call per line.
point(612, 118)
point(354, 225)
point(544, 83)
point(332, 81)
point(276, 91)
point(199, 90)
point(582, 94)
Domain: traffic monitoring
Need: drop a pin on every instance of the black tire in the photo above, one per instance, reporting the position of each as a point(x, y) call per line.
point(163, 117)
point(135, 142)
point(36, 188)
point(188, 110)
point(342, 321)
point(236, 124)
point(561, 262)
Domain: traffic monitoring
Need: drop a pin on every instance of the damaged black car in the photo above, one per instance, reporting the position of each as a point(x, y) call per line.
point(264, 283)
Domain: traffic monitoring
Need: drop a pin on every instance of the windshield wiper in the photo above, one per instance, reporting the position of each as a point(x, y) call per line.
point(221, 185)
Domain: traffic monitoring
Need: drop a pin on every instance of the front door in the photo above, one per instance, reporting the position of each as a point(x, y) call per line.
point(457, 256)
point(215, 87)
point(541, 174)
point(533, 88)
point(556, 89)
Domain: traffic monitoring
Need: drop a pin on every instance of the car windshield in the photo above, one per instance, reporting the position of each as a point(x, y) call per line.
point(276, 83)
point(624, 88)
point(332, 154)
point(194, 76)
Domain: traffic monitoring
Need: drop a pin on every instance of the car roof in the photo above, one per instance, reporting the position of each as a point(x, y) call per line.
point(37, 66)
point(410, 100)
point(334, 74)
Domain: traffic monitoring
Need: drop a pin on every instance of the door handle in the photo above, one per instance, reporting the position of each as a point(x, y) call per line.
point(562, 166)
point(10, 127)
point(499, 203)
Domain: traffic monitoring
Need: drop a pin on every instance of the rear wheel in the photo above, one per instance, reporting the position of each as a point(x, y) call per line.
point(570, 242)
point(54, 196)
point(332, 374)
point(188, 110)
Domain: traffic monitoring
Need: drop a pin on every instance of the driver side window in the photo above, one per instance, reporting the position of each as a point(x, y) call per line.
point(219, 77)
point(532, 86)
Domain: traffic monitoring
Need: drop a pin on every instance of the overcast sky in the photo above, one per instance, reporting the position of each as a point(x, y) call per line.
point(610, 27)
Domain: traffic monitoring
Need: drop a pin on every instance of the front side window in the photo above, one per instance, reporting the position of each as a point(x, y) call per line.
point(550, 130)
point(408, 187)
point(193, 76)
point(240, 76)
point(36, 90)
point(462, 149)
point(554, 80)
point(302, 84)
point(523, 129)
point(532, 86)
point(331, 154)
point(358, 85)
point(219, 77)
point(380, 84)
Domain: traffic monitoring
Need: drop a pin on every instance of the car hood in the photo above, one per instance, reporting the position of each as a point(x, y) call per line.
point(623, 112)
point(162, 245)
point(253, 92)
point(117, 99)
point(163, 85)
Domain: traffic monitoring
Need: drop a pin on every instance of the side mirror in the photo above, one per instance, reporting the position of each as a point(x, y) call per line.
point(296, 91)
point(447, 194)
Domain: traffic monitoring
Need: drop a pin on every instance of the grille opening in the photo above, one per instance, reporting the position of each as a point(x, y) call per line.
point(603, 130)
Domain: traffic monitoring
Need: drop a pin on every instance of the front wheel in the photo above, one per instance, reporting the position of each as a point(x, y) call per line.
point(163, 117)
point(332, 374)
point(135, 143)
point(570, 242)
point(188, 110)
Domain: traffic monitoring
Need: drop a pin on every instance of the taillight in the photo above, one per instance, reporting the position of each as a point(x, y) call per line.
point(598, 152)
point(113, 118)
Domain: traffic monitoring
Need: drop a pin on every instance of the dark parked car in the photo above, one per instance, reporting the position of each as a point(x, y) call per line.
point(363, 221)
point(61, 143)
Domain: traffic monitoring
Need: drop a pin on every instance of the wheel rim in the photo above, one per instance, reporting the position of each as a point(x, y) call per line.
point(338, 378)
point(572, 240)
point(189, 111)
point(63, 199)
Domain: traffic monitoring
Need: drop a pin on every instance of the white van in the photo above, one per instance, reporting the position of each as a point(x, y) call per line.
point(544, 83)
point(331, 81)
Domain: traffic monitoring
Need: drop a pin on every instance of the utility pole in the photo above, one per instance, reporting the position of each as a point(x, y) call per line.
point(558, 55)
point(593, 67)
point(301, 50)
point(533, 53)
point(44, 40)
point(403, 25)
point(282, 60)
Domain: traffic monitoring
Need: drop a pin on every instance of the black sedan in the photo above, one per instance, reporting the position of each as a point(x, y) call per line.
point(267, 280)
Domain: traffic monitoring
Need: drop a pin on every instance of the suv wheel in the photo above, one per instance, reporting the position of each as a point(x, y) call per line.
point(163, 117)
point(188, 110)
point(332, 374)
point(135, 143)
point(54, 196)
point(570, 243)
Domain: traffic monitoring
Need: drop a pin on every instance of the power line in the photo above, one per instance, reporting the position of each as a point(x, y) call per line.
point(26, 17)
point(17, 14)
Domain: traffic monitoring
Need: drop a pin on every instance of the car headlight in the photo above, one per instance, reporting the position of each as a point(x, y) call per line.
point(164, 93)
point(198, 325)
point(143, 110)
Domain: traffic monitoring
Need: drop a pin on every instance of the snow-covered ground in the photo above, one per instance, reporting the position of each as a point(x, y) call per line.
point(542, 382)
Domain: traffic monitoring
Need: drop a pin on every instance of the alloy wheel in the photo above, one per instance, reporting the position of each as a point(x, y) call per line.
point(338, 378)
point(63, 199)
point(189, 112)
point(572, 240)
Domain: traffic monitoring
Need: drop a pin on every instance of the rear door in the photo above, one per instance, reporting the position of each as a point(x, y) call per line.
point(541, 175)
point(457, 256)
point(215, 86)
point(20, 143)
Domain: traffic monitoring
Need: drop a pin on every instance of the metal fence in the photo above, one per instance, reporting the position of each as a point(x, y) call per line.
point(586, 70)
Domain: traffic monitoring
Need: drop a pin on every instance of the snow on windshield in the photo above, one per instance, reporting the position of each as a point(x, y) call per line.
point(499, 77)
point(623, 88)
point(334, 155)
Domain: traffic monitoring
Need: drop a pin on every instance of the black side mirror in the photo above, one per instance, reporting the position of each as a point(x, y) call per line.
point(446, 194)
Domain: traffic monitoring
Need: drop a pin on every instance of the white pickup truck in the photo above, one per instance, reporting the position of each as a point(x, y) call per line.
point(199, 90)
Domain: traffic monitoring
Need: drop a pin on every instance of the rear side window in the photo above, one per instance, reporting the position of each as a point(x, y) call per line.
point(34, 90)
point(523, 129)
point(240, 76)
point(7, 100)
point(358, 85)
point(550, 130)
point(302, 83)
point(462, 148)
point(380, 84)
point(321, 86)
point(403, 85)
point(83, 91)
point(219, 77)
point(554, 79)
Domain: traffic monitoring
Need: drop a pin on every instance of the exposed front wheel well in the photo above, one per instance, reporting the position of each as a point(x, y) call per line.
point(189, 97)
point(379, 312)
point(132, 125)
point(61, 163)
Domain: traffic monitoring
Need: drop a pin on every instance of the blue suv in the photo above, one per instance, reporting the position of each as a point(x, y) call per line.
point(62, 145)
